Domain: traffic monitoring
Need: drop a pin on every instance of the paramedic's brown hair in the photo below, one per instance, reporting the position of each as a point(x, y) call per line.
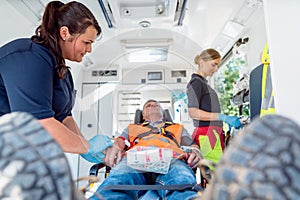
point(206, 55)
point(76, 16)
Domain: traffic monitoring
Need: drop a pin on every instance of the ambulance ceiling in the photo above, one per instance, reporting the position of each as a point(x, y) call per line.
point(186, 26)
point(144, 13)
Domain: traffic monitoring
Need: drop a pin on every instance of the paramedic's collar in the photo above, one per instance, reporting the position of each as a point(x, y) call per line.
point(198, 75)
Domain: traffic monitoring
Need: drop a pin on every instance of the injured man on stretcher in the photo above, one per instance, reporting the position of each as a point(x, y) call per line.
point(160, 153)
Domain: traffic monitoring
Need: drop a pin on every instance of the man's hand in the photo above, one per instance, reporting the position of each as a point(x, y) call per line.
point(113, 154)
point(193, 157)
point(192, 160)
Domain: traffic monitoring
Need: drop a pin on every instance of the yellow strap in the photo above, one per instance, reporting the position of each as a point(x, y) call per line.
point(265, 58)
point(264, 81)
point(269, 111)
point(266, 61)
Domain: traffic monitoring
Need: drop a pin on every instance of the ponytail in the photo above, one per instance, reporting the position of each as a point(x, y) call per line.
point(47, 34)
point(75, 16)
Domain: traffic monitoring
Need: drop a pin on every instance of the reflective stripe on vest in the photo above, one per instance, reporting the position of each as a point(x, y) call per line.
point(154, 139)
point(211, 153)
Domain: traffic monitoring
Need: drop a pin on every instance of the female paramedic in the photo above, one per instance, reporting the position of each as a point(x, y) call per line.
point(204, 107)
point(34, 77)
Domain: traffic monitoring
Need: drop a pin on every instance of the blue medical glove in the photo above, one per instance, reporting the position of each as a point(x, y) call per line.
point(232, 121)
point(97, 144)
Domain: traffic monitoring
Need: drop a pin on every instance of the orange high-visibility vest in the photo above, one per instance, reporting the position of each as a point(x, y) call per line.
point(135, 131)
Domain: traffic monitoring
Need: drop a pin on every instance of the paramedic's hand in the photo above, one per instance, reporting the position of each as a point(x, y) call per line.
point(97, 145)
point(114, 153)
point(232, 121)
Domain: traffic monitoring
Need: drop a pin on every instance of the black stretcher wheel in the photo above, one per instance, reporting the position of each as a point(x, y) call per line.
point(32, 164)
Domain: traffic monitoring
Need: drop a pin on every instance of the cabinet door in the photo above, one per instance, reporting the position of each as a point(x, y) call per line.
point(105, 109)
point(89, 110)
point(88, 122)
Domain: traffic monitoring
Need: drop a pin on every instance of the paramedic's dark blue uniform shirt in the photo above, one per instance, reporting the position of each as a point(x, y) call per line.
point(28, 82)
point(202, 96)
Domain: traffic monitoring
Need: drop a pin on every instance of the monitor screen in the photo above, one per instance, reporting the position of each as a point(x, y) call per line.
point(178, 73)
point(155, 76)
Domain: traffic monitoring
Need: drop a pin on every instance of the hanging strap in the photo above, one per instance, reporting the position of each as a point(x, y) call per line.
point(267, 99)
point(267, 91)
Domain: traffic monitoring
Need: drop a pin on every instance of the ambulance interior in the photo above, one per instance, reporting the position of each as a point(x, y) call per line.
point(147, 48)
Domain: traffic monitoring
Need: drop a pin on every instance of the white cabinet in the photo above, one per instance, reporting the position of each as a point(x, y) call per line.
point(96, 115)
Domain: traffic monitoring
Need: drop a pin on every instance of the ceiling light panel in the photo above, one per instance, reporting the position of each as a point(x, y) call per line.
point(147, 54)
point(30, 9)
point(233, 29)
point(144, 8)
point(151, 42)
